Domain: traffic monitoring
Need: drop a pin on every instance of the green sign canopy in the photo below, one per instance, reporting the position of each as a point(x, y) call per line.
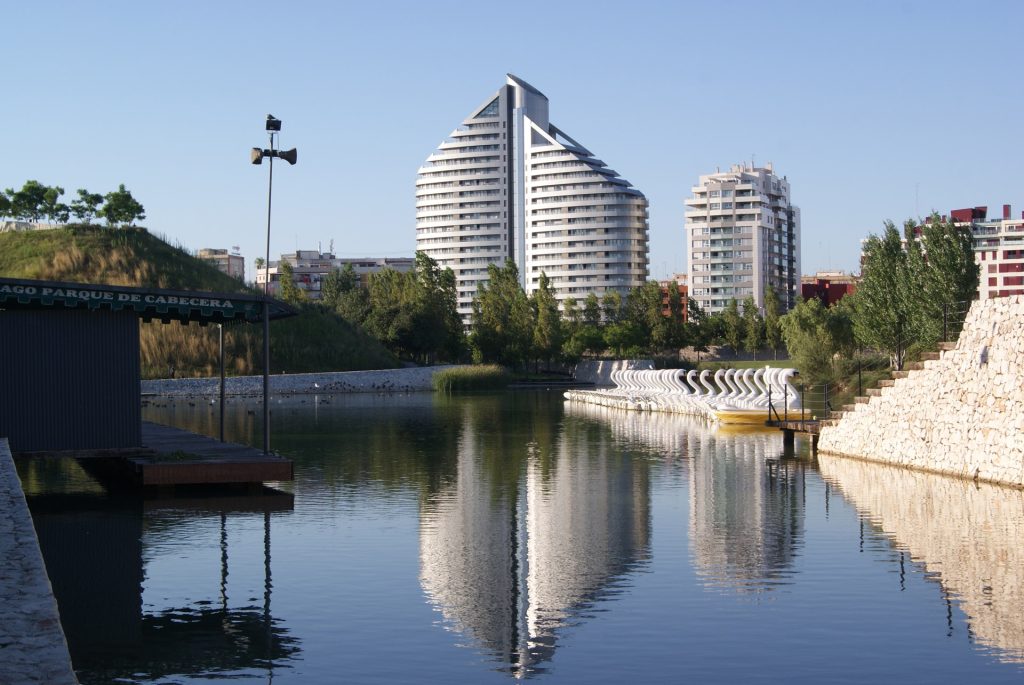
point(148, 303)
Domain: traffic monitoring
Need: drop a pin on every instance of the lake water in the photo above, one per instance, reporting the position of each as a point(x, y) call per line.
point(483, 539)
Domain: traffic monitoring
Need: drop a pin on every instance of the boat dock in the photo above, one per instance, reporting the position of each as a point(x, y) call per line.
point(171, 456)
point(790, 427)
point(178, 457)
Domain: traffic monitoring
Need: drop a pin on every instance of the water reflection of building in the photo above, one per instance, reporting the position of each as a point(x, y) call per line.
point(746, 501)
point(746, 509)
point(967, 535)
point(529, 533)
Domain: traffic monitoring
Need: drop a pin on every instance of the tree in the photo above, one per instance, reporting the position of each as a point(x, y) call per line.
point(611, 306)
point(5, 205)
point(502, 318)
point(886, 303)
point(52, 208)
point(675, 330)
point(772, 327)
point(27, 204)
point(592, 310)
point(950, 280)
point(289, 291)
point(120, 208)
point(86, 206)
point(341, 291)
point(547, 329)
point(815, 335)
point(698, 330)
point(733, 326)
point(753, 327)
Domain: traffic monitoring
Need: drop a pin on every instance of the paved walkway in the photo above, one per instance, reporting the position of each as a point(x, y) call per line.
point(32, 645)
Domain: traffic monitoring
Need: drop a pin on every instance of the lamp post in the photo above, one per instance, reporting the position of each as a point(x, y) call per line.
point(257, 155)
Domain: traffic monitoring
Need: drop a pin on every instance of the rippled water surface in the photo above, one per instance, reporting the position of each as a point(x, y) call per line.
point(483, 539)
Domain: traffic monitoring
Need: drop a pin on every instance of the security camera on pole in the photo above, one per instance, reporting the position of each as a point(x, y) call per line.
point(257, 155)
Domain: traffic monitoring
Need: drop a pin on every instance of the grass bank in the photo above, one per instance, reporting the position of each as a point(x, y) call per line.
point(315, 340)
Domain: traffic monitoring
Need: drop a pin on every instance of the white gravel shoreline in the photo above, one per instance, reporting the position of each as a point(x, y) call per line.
point(418, 379)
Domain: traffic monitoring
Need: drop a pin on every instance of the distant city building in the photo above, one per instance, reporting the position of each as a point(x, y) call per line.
point(681, 286)
point(998, 250)
point(232, 263)
point(828, 286)
point(310, 267)
point(15, 226)
point(742, 236)
point(507, 184)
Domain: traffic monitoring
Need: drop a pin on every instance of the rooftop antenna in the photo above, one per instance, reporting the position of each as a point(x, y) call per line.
point(917, 212)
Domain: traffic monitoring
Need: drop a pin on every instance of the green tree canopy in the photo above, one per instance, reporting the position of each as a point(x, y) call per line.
point(289, 291)
point(120, 208)
point(753, 327)
point(52, 208)
point(772, 327)
point(502, 318)
point(86, 206)
point(732, 326)
point(885, 302)
point(815, 335)
point(28, 203)
point(592, 310)
point(547, 329)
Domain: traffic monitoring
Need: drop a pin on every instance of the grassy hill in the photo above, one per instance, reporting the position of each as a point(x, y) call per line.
point(313, 341)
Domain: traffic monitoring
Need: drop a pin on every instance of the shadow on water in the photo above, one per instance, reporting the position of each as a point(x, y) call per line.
point(94, 543)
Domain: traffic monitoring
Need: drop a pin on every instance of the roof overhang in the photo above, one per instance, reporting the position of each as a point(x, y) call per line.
point(147, 303)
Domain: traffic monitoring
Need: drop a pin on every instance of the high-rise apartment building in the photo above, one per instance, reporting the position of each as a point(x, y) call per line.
point(507, 184)
point(742, 236)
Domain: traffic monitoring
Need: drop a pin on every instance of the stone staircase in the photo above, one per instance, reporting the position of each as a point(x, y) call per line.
point(883, 385)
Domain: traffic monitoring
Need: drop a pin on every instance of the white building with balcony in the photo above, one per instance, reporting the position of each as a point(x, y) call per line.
point(232, 263)
point(311, 267)
point(742, 237)
point(998, 250)
point(507, 184)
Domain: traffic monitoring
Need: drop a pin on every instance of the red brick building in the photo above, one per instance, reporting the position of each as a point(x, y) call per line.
point(828, 286)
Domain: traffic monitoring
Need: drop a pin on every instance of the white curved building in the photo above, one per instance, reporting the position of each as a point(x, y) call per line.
point(507, 184)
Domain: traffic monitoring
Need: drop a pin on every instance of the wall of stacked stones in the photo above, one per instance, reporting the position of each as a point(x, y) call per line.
point(599, 372)
point(418, 379)
point(962, 414)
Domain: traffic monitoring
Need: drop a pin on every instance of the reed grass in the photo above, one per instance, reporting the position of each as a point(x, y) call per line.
point(463, 378)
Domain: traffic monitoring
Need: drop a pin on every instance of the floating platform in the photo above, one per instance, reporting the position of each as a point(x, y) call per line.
point(172, 456)
point(178, 457)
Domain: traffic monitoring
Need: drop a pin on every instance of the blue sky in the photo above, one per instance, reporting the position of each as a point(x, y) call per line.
point(873, 110)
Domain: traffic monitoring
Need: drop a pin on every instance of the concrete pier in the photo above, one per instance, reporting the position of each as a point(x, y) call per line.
point(32, 644)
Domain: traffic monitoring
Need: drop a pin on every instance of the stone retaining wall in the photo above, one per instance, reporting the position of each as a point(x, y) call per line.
point(599, 372)
point(32, 644)
point(417, 379)
point(962, 414)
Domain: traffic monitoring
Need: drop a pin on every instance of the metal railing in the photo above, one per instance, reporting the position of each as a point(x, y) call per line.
point(815, 404)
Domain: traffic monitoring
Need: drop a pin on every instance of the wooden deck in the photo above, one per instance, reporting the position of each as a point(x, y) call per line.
point(791, 427)
point(172, 456)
